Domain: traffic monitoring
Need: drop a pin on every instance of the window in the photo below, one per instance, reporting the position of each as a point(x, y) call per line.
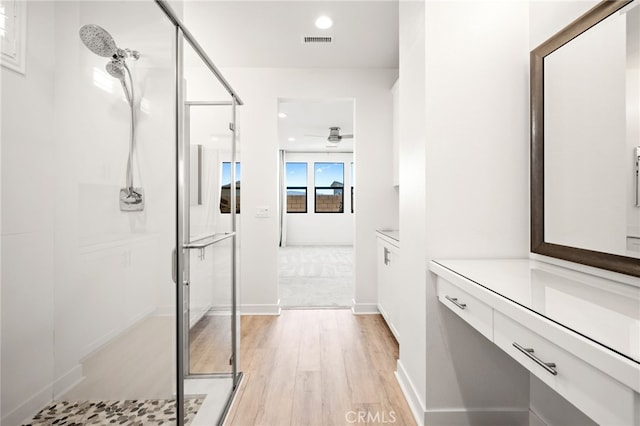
point(329, 187)
point(225, 189)
point(13, 37)
point(296, 178)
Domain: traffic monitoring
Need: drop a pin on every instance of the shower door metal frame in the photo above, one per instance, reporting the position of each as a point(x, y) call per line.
point(203, 242)
point(182, 34)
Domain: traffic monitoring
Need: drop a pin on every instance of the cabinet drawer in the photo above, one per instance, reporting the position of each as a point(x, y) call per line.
point(602, 398)
point(467, 307)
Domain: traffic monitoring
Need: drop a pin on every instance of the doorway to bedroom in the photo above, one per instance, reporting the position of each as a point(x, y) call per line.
point(317, 209)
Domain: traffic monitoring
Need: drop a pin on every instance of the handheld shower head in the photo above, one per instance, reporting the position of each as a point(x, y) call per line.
point(98, 40)
point(115, 68)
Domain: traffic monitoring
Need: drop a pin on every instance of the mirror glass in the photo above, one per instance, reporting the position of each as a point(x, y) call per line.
point(591, 101)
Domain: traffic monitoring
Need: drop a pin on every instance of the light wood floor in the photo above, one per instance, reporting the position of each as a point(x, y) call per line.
point(318, 367)
point(210, 345)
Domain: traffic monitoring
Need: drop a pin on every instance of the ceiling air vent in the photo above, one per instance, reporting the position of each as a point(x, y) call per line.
point(321, 40)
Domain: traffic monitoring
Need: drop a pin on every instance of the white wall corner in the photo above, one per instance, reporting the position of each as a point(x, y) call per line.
point(411, 394)
point(364, 308)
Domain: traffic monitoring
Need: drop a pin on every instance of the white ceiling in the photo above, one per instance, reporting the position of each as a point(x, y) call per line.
point(269, 33)
point(266, 33)
point(308, 123)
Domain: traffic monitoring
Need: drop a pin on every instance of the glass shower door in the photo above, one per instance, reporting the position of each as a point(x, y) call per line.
point(208, 187)
point(211, 235)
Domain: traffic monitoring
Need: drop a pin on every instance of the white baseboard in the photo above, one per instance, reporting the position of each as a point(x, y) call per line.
point(364, 308)
point(259, 309)
point(219, 311)
point(480, 417)
point(68, 380)
point(25, 412)
point(410, 394)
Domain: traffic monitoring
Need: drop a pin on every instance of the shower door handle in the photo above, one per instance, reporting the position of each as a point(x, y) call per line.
point(174, 262)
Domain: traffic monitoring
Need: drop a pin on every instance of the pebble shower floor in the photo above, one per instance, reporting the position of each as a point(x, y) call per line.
point(130, 413)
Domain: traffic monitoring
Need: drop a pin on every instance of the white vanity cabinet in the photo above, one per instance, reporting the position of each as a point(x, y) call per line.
point(388, 254)
point(578, 333)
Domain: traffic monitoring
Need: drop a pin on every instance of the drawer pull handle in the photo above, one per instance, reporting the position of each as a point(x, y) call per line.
point(549, 366)
point(387, 256)
point(454, 300)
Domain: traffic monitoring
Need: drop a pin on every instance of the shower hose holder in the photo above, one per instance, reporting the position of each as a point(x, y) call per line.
point(131, 199)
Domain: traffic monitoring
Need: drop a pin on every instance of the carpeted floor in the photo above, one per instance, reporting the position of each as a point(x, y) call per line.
point(131, 413)
point(316, 276)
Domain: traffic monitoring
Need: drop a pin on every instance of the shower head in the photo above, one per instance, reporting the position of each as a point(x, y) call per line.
point(115, 68)
point(98, 40)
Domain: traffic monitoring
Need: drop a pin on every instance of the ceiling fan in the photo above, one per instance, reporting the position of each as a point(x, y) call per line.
point(334, 135)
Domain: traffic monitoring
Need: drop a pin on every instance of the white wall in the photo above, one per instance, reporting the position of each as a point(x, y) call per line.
point(476, 191)
point(411, 323)
point(463, 193)
point(27, 223)
point(321, 228)
point(260, 89)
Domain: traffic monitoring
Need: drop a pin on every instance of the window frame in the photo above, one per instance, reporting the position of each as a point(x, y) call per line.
point(306, 199)
point(306, 188)
point(331, 188)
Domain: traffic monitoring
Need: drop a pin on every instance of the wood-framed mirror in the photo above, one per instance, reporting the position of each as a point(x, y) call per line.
point(585, 127)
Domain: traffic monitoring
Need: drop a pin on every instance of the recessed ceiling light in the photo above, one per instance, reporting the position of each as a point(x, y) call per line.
point(282, 115)
point(292, 139)
point(324, 22)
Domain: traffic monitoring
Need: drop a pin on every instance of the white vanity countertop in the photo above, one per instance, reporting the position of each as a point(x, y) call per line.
point(606, 312)
point(393, 234)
